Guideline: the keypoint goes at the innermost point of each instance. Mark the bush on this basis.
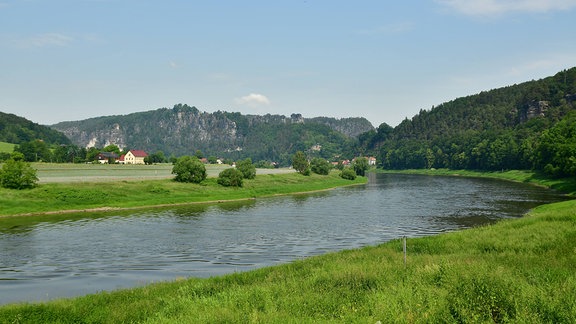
(348, 174)
(189, 169)
(230, 178)
(247, 168)
(320, 166)
(17, 174)
(300, 163)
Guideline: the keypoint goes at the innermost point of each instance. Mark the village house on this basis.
(107, 157)
(371, 161)
(134, 157)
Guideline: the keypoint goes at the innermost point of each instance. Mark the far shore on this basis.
(122, 192)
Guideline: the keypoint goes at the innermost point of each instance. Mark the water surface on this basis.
(69, 255)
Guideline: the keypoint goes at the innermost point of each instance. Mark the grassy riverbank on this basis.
(58, 197)
(516, 270)
(566, 185)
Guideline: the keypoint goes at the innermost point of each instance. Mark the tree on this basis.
(320, 166)
(34, 151)
(92, 154)
(189, 169)
(247, 168)
(556, 151)
(300, 163)
(360, 166)
(112, 148)
(348, 174)
(230, 177)
(157, 157)
(17, 174)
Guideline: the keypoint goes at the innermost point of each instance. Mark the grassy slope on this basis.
(517, 270)
(57, 197)
(6, 147)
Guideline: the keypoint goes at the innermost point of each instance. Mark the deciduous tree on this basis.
(300, 163)
(247, 168)
(189, 169)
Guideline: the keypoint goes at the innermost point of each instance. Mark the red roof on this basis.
(139, 153)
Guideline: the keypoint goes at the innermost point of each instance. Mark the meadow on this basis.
(67, 188)
(6, 147)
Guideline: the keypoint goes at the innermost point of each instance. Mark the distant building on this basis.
(135, 157)
(371, 161)
(107, 157)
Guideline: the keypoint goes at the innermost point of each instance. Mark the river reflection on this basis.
(67, 255)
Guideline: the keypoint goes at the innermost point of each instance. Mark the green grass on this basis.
(79, 196)
(518, 270)
(6, 147)
(65, 172)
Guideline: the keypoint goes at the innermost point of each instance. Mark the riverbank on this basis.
(64, 197)
(565, 185)
(517, 270)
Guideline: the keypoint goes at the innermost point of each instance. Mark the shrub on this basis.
(230, 178)
(17, 174)
(247, 168)
(348, 174)
(300, 163)
(189, 169)
(320, 166)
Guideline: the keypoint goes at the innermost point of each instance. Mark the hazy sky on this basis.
(384, 60)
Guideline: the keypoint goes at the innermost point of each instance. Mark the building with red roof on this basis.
(135, 157)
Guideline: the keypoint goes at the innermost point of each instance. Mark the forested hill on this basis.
(17, 130)
(525, 126)
(182, 130)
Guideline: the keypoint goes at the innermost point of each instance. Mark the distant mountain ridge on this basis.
(183, 129)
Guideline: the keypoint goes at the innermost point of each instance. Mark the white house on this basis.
(135, 157)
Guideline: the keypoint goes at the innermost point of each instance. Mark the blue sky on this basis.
(383, 60)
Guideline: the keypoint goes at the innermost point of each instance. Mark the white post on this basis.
(404, 252)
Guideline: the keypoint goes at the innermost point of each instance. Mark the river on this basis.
(48, 257)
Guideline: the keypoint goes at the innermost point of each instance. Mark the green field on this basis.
(72, 173)
(6, 147)
(86, 187)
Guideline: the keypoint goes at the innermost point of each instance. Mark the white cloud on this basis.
(45, 40)
(253, 99)
(500, 7)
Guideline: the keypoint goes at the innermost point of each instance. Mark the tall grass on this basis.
(518, 270)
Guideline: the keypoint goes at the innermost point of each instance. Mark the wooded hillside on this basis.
(183, 130)
(525, 126)
(16, 130)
